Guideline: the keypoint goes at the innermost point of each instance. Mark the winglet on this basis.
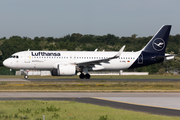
(118, 54)
(120, 51)
(95, 50)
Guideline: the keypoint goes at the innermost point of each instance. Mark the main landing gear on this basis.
(86, 76)
(82, 75)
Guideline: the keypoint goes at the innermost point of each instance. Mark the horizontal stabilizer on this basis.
(166, 57)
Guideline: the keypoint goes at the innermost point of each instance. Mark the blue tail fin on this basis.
(159, 41)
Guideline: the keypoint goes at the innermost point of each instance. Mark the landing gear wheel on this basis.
(81, 76)
(26, 76)
(87, 76)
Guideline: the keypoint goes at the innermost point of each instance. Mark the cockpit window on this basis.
(14, 56)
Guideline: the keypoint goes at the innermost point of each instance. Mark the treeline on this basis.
(79, 42)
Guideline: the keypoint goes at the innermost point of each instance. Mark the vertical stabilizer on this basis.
(159, 41)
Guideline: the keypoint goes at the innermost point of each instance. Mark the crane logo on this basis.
(158, 44)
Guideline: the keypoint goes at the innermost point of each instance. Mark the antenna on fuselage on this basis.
(28, 49)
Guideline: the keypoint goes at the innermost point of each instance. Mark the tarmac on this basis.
(161, 103)
(155, 103)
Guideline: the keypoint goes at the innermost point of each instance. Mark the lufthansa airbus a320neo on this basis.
(71, 62)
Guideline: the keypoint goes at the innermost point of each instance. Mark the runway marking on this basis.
(135, 103)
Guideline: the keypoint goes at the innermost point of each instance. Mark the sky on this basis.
(58, 18)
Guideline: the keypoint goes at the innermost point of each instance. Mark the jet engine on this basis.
(64, 69)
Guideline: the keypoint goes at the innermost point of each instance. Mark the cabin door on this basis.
(140, 59)
(27, 57)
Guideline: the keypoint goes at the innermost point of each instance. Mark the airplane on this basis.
(68, 63)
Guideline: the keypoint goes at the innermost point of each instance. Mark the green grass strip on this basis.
(68, 110)
(106, 86)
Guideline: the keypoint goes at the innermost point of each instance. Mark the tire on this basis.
(81, 76)
(26, 76)
(87, 76)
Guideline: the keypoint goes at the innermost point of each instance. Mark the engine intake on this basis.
(63, 70)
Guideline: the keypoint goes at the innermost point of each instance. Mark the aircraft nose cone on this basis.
(6, 63)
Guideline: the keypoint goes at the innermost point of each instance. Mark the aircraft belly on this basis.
(36, 65)
(42, 65)
(117, 65)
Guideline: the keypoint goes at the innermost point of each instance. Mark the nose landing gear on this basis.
(26, 74)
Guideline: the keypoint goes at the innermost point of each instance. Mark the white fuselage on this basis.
(47, 60)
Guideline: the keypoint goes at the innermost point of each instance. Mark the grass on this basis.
(69, 110)
(90, 86)
(102, 85)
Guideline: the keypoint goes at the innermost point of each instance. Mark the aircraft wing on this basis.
(92, 62)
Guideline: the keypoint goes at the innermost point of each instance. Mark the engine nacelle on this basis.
(64, 69)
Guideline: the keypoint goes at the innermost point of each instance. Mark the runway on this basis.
(155, 103)
(62, 80)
